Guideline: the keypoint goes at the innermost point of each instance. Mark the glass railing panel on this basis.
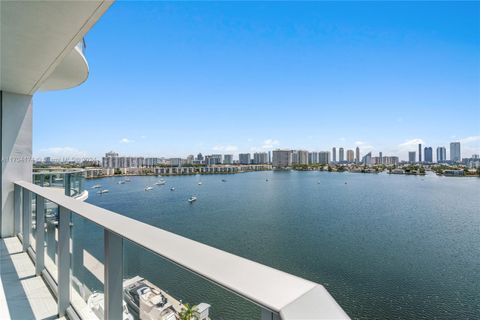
(176, 287)
(51, 238)
(87, 271)
(33, 226)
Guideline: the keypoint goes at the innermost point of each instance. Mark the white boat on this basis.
(121, 182)
(127, 180)
(192, 199)
(160, 183)
(172, 189)
(103, 191)
(146, 301)
(148, 188)
(200, 183)
(96, 306)
(96, 186)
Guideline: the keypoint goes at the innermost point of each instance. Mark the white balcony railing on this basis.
(279, 294)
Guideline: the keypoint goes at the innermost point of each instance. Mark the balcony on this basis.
(68, 181)
(71, 72)
(75, 270)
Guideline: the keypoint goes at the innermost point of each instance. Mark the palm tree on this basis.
(188, 312)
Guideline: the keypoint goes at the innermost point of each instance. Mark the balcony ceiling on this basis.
(36, 36)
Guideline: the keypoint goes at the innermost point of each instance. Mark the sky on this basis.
(173, 79)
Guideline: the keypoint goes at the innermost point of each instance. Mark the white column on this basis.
(15, 150)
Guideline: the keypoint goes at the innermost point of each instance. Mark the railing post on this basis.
(269, 315)
(17, 205)
(63, 261)
(27, 218)
(113, 275)
(66, 181)
(40, 235)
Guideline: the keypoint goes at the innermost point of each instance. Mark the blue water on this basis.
(385, 246)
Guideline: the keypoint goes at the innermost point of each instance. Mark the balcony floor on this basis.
(22, 294)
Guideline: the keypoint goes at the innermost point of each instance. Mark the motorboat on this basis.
(148, 188)
(121, 182)
(200, 183)
(146, 301)
(192, 199)
(172, 189)
(103, 191)
(96, 307)
(96, 186)
(224, 180)
(127, 180)
(160, 183)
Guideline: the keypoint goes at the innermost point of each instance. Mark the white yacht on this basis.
(103, 191)
(96, 186)
(121, 182)
(127, 180)
(160, 183)
(148, 302)
(172, 189)
(200, 183)
(192, 199)
(148, 188)
(96, 306)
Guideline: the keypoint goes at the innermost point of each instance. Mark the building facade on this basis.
(260, 158)
(455, 154)
(350, 156)
(244, 158)
(441, 154)
(281, 158)
(428, 154)
(412, 156)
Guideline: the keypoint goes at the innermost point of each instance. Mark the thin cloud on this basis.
(270, 144)
(62, 153)
(227, 148)
(126, 141)
(469, 140)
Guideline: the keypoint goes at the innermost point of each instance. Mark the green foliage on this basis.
(188, 312)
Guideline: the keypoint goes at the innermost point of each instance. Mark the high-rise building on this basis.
(324, 157)
(441, 154)
(428, 154)
(367, 159)
(380, 157)
(244, 158)
(213, 159)
(455, 154)
(350, 156)
(199, 157)
(295, 157)
(357, 155)
(269, 156)
(412, 156)
(228, 159)
(420, 152)
(334, 154)
(281, 158)
(341, 156)
(260, 157)
(302, 157)
(313, 157)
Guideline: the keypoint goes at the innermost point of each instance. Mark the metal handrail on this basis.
(284, 295)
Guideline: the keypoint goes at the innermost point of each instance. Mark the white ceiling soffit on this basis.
(37, 35)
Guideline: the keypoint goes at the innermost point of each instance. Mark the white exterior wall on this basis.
(16, 150)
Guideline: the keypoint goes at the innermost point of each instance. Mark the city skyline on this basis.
(344, 155)
(244, 78)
